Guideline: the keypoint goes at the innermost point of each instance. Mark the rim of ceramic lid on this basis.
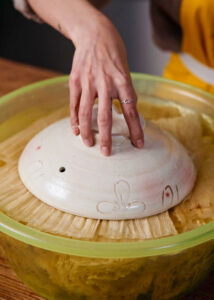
(133, 249)
(124, 197)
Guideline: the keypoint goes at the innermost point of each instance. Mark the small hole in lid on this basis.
(62, 169)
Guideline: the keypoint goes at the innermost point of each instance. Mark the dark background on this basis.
(26, 41)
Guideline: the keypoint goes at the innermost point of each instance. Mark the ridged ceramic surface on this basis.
(132, 183)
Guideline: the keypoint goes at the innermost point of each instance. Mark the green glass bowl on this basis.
(63, 268)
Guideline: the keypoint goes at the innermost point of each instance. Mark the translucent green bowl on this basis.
(62, 268)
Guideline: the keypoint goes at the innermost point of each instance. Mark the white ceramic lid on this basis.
(131, 183)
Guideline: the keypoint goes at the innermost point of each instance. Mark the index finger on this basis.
(105, 122)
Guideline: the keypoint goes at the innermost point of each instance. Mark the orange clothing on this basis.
(197, 22)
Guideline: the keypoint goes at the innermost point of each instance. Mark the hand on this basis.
(100, 69)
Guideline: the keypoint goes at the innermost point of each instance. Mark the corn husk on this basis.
(18, 203)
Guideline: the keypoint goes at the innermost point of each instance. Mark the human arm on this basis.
(99, 68)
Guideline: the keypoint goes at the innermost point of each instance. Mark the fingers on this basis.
(82, 95)
(104, 120)
(75, 94)
(131, 115)
(85, 114)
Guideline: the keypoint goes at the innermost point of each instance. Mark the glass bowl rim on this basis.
(92, 249)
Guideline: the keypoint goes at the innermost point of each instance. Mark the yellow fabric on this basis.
(197, 22)
(176, 70)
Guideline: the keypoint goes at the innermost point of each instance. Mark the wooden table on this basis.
(12, 76)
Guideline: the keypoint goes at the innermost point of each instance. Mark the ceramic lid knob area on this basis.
(131, 183)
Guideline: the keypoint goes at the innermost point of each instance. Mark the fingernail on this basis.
(105, 151)
(88, 142)
(75, 130)
(139, 143)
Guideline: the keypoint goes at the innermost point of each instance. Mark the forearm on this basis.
(171, 8)
(73, 18)
(99, 69)
(165, 16)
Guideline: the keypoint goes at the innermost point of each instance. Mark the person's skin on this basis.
(99, 69)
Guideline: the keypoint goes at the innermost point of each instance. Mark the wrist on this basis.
(87, 30)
